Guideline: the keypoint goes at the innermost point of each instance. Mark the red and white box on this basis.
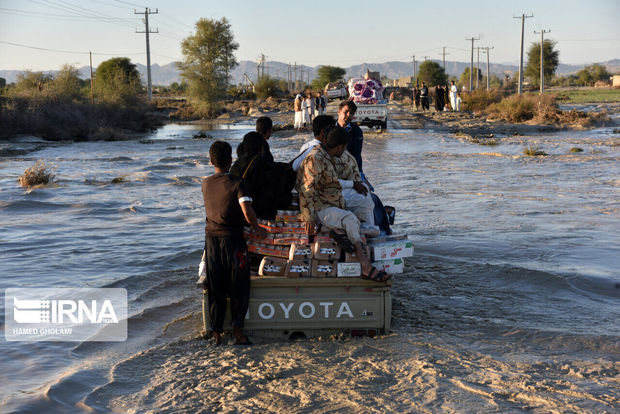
(391, 247)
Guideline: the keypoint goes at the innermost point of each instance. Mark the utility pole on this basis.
(295, 84)
(542, 66)
(414, 68)
(426, 58)
(486, 50)
(146, 13)
(92, 92)
(471, 63)
(444, 58)
(522, 17)
(478, 68)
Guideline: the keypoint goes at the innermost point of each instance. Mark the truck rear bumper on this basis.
(309, 307)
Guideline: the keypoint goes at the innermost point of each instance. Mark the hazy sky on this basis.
(308, 32)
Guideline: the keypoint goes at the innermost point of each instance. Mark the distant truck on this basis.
(336, 90)
(372, 115)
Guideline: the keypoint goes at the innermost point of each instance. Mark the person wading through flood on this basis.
(228, 206)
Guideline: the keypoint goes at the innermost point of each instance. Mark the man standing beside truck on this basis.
(346, 112)
(228, 206)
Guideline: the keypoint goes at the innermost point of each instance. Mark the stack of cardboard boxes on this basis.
(289, 252)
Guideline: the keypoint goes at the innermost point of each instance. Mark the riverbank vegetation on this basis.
(63, 107)
(529, 107)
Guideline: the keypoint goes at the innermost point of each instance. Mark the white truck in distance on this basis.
(372, 115)
(336, 90)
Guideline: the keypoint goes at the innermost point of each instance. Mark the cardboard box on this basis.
(352, 257)
(392, 266)
(300, 251)
(288, 216)
(274, 227)
(391, 247)
(267, 250)
(276, 239)
(298, 268)
(272, 266)
(323, 237)
(288, 239)
(324, 268)
(326, 251)
(349, 269)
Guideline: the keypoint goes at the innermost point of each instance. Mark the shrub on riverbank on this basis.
(55, 120)
(515, 108)
(38, 174)
(481, 99)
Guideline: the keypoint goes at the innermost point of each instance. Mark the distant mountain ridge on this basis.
(167, 74)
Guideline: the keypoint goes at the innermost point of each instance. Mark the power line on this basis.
(131, 4)
(69, 51)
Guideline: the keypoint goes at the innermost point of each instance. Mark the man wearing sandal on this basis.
(321, 200)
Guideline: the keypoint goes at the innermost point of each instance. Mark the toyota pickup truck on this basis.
(336, 90)
(372, 115)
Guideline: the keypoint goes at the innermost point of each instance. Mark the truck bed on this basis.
(309, 307)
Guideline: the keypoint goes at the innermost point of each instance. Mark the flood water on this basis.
(511, 301)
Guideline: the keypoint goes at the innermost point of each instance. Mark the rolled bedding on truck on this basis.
(365, 91)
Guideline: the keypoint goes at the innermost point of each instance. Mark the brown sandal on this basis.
(377, 275)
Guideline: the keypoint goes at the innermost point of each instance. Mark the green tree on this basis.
(464, 79)
(551, 60)
(177, 87)
(208, 59)
(2, 83)
(31, 83)
(266, 87)
(592, 73)
(117, 81)
(432, 73)
(67, 84)
(326, 74)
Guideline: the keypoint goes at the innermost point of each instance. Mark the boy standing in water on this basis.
(228, 206)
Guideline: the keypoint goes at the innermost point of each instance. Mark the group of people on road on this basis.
(307, 107)
(447, 98)
(333, 193)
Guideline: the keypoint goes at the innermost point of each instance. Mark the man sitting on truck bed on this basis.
(320, 124)
(346, 112)
(321, 200)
